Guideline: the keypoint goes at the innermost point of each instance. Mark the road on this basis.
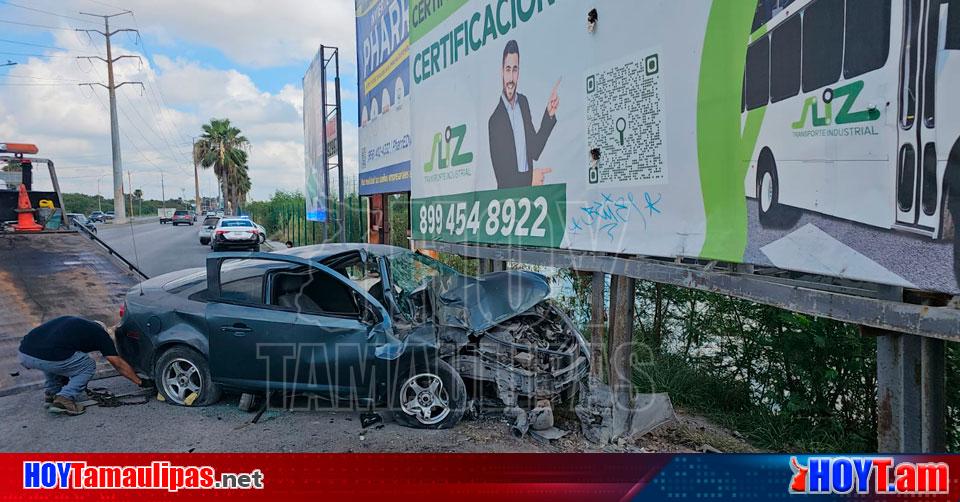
(154, 248)
(832, 246)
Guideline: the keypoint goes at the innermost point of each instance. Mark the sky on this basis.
(237, 59)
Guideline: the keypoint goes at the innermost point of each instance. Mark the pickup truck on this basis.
(166, 214)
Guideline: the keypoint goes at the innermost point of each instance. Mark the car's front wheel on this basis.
(183, 378)
(431, 397)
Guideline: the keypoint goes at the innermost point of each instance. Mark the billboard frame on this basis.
(867, 304)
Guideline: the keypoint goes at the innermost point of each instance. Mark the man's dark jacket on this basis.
(503, 150)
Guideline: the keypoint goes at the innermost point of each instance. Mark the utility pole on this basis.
(120, 212)
(163, 193)
(196, 174)
(129, 192)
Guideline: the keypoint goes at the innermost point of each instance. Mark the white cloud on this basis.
(251, 32)
(70, 123)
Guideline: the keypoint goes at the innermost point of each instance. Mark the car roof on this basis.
(321, 251)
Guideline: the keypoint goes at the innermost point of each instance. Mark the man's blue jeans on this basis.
(67, 378)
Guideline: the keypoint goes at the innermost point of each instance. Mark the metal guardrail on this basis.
(109, 249)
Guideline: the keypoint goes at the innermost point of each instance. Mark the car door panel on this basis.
(269, 347)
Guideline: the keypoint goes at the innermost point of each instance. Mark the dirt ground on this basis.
(158, 426)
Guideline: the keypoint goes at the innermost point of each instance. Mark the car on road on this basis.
(263, 231)
(206, 229)
(365, 323)
(108, 217)
(79, 220)
(235, 233)
(181, 217)
(96, 216)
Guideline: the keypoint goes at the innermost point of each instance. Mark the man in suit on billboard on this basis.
(514, 141)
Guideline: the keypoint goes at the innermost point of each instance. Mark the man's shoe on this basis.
(48, 399)
(64, 405)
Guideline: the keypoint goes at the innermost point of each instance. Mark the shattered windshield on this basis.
(409, 271)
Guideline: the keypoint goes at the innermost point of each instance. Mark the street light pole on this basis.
(99, 196)
(196, 174)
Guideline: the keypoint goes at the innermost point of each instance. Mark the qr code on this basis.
(624, 114)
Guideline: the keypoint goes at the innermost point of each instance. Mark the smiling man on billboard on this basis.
(514, 141)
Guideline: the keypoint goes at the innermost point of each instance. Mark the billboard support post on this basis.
(899, 407)
(933, 374)
(341, 217)
(597, 326)
(621, 337)
(326, 158)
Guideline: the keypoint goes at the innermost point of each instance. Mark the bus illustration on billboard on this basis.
(860, 122)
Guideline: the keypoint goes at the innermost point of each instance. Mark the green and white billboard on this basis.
(811, 135)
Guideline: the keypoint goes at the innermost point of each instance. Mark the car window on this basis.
(210, 222)
(241, 281)
(312, 291)
(235, 223)
(180, 213)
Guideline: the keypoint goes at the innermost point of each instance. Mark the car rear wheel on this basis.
(431, 397)
(204, 242)
(183, 378)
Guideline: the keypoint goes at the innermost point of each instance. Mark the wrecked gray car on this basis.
(371, 325)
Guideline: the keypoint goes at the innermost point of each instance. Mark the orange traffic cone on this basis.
(25, 221)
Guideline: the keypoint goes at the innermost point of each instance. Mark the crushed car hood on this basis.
(476, 304)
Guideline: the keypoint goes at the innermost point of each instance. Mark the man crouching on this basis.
(59, 349)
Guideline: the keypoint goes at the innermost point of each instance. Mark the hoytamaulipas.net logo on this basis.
(868, 475)
(159, 475)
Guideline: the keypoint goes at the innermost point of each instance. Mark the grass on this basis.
(728, 402)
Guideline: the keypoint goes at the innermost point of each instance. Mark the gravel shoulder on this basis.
(160, 427)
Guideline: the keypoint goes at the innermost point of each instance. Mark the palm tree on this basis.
(223, 147)
(138, 194)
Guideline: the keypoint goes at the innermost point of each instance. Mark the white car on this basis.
(206, 229)
(234, 233)
(263, 231)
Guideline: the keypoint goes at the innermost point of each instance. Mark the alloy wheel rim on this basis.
(180, 379)
(424, 397)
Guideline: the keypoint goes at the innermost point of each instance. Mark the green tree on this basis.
(138, 195)
(224, 148)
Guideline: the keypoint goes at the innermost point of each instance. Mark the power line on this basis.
(21, 54)
(6, 84)
(53, 79)
(34, 9)
(3, 40)
(159, 91)
(31, 25)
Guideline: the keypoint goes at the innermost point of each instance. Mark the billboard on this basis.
(314, 141)
(771, 132)
(384, 89)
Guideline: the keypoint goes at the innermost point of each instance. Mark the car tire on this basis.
(180, 373)
(248, 402)
(204, 242)
(772, 214)
(448, 400)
